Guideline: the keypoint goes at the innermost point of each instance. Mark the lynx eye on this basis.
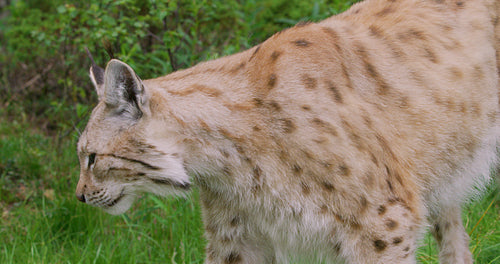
(91, 160)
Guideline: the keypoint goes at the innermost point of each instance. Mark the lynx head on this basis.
(120, 153)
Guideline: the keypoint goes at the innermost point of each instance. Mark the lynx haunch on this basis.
(341, 140)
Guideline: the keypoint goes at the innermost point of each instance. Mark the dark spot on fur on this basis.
(389, 184)
(331, 32)
(346, 76)
(306, 190)
(272, 80)
(257, 173)
(233, 258)
(375, 31)
(323, 209)
(344, 170)
(391, 224)
(275, 55)
(226, 170)
(381, 210)
(383, 86)
(404, 102)
(364, 203)
(288, 125)
(328, 186)
(355, 138)
(337, 247)
(437, 233)
(240, 150)
(235, 221)
(225, 239)
(387, 10)
(374, 159)
(301, 43)
(393, 200)
(257, 179)
(385, 146)
(274, 105)
(336, 93)
(397, 240)
(431, 55)
(309, 83)
(205, 126)
(258, 102)
(351, 222)
(320, 140)
(297, 169)
(478, 72)
(238, 67)
(306, 107)
(412, 34)
(327, 127)
(308, 154)
(456, 73)
(369, 180)
(406, 249)
(476, 109)
(254, 53)
(380, 245)
(334, 36)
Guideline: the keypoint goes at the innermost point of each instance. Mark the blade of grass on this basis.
(482, 216)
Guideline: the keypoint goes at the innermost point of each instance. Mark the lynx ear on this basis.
(123, 90)
(97, 77)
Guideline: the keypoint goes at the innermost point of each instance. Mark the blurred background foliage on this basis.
(44, 68)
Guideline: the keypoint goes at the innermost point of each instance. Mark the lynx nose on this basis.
(80, 197)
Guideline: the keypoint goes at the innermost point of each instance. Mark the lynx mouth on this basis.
(180, 185)
(116, 200)
(120, 204)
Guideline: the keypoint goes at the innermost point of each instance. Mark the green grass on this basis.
(42, 222)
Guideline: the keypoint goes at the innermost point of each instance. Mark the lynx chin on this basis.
(338, 141)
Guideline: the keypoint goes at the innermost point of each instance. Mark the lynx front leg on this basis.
(230, 240)
(450, 234)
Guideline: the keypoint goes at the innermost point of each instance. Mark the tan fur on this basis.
(340, 140)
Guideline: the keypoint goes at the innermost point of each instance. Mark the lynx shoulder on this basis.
(340, 140)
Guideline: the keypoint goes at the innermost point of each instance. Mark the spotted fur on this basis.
(337, 141)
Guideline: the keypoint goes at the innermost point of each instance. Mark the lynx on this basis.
(338, 141)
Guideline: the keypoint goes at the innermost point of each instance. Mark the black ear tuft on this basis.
(96, 75)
